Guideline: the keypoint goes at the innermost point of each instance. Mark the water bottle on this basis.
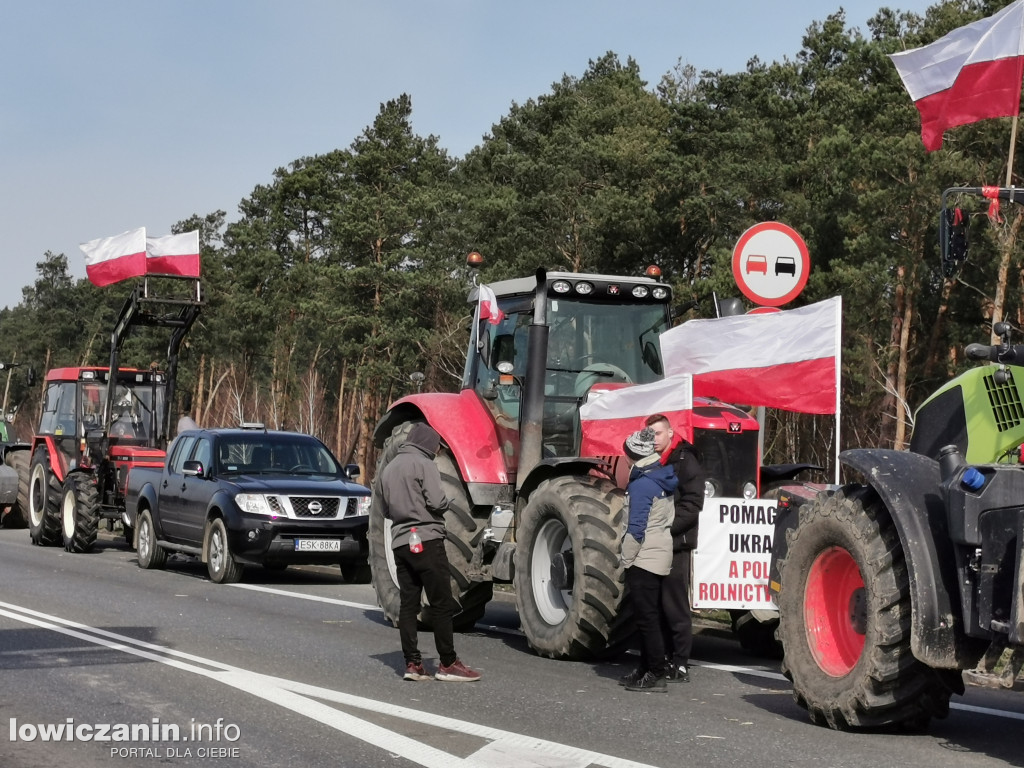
(415, 542)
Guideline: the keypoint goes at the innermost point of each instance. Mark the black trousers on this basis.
(677, 619)
(419, 572)
(645, 594)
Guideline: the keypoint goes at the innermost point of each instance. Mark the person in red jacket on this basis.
(677, 625)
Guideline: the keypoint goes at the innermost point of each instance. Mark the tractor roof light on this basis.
(561, 286)
(474, 260)
(653, 271)
(659, 292)
(584, 288)
(640, 291)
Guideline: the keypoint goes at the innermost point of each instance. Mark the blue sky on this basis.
(118, 114)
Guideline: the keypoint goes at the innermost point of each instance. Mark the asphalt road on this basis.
(125, 667)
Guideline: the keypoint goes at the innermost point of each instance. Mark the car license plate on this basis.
(317, 545)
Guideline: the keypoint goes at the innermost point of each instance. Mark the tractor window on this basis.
(59, 410)
(48, 422)
(594, 343)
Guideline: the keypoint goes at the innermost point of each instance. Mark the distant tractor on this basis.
(527, 506)
(97, 423)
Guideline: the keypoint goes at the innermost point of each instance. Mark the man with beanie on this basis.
(414, 500)
(647, 555)
(675, 588)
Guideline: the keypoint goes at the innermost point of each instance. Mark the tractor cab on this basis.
(577, 331)
(75, 416)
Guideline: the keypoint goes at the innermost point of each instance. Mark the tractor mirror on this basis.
(952, 240)
(652, 359)
(30, 376)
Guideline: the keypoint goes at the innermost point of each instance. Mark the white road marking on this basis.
(515, 749)
(752, 671)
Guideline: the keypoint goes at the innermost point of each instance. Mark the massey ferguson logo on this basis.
(735, 426)
(315, 507)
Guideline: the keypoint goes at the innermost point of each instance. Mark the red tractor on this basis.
(527, 507)
(97, 423)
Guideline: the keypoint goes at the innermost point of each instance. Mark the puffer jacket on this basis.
(410, 487)
(689, 494)
(648, 540)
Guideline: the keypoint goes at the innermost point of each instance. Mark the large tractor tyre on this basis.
(17, 517)
(44, 491)
(79, 512)
(569, 581)
(461, 546)
(845, 620)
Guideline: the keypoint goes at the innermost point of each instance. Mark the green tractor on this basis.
(890, 589)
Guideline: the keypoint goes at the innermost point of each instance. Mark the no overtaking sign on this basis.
(771, 264)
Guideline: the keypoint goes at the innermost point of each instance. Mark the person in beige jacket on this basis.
(647, 554)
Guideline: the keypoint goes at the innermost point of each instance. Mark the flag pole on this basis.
(1013, 145)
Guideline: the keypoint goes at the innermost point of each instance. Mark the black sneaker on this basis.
(678, 674)
(649, 683)
(631, 677)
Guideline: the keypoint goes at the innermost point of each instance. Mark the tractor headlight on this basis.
(749, 490)
(711, 489)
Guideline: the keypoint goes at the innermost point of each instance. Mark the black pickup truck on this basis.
(250, 496)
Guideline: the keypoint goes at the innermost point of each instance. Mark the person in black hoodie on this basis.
(677, 625)
(414, 500)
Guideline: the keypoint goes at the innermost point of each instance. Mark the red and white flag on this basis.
(173, 254)
(487, 304)
(788, 360)
(607, 418)
(971, 74)
(110, 259)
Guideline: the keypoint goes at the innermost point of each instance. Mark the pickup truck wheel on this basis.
(151, 554)
(844, 620)
(43, 501)
(18, 515)
(569, 582)
(79, 512)
(219, 562)
(464, 529)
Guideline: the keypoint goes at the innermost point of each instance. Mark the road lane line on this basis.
(522, 750)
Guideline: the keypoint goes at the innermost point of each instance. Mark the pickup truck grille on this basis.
(313, 507)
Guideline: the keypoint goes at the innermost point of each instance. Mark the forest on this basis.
(345, 272)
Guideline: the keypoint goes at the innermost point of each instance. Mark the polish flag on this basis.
(788, 360)
(111, 259)
(487, 304)
(609, 416)
(971, 74)
(173, 254)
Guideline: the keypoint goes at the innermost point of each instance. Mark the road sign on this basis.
(763, 310)
(771, 264)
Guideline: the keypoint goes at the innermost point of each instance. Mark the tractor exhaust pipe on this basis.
(532, 416)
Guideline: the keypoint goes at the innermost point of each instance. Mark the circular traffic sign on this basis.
(770, 263)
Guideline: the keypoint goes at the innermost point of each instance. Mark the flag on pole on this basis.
(173, 254)
(488, 307)
(788, 360)
(110, 259)
(971, 74)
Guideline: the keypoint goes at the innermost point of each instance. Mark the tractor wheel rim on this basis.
(834, 611)
(67, 514)
(37, 498)
(552, 603)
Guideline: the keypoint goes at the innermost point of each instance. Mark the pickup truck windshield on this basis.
(259, 455)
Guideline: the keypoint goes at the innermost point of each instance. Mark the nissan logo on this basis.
(315, 507)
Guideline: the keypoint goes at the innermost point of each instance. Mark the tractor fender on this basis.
(548, 468)
(465, 425)
(909, 485)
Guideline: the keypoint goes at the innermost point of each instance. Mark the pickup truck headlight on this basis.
(363, 505)
(254, 504)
